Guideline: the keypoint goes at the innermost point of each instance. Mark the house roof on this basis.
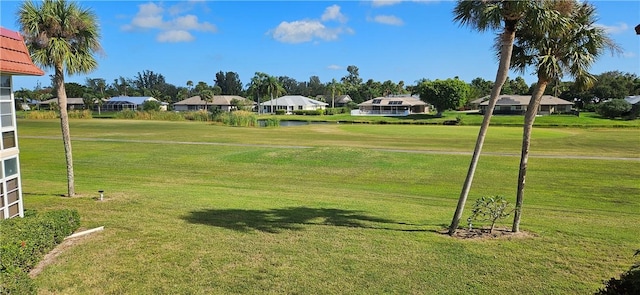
(633, 99)
(343, 99)
(217, 100)
(138, 100)
(14, 56)
(293, 100)
(396, 101)
(70, 100)
(508, 99)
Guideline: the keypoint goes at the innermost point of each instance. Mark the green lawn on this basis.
(195, 208)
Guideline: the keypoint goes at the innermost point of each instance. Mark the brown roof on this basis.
(217, 100)
(14, 56)
(507, 99)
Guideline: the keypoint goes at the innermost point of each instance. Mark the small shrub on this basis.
(23, 243)
(272, 122)
(489, 209)
(76, 114)
(309, 112)
(200, 115)
(628, 283)
(41, 115)
(280, 112)
(238, 119)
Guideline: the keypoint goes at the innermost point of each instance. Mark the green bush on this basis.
(150, 115)
(309, 112)
(272, 122)
(280, 112)
(76, 114)
(489, 209)
(238, 119)
(628, 283)
(41, 115)
(613, 108)
(200, 116)
(24, 241)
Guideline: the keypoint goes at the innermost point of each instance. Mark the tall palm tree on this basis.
(485, 15)
(273, 88)
(256, 86)
(570, 46)
(207, 96)
(63, 36)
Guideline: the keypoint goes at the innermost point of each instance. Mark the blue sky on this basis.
(387, 40)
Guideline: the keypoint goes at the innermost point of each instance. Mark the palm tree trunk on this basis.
(530, 117)
(506, 47)
(64, 124)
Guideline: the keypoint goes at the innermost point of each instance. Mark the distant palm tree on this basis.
(570, 46)
(63, 36)
(207, 96)
(273, 88)
(485, 15)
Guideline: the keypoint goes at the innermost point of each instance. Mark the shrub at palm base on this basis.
(489, 209)
(25, 241)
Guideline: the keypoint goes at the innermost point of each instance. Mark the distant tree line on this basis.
(609, 85)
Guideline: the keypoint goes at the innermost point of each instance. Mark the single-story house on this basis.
(219, 102)
(403, 105)
(517, 104)
(73, 103)
(15, 60)
(119, 103)
(291, 103)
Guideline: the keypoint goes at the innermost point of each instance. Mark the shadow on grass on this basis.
(293, 218)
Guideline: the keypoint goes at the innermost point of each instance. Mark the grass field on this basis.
(195, 208)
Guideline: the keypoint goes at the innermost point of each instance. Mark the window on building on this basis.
(376, 101)
(8, 139)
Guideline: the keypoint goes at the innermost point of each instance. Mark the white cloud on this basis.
(334, 67)
(177, 28)
(387, 20)
(379, 3)
(301, 31)
(175, 36)
(617, 29)
(333, 13)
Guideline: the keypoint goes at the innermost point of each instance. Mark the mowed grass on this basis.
(195, 208)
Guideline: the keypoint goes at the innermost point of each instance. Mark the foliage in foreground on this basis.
(151, 115)
(238, 119)
(489, 209)
(628, 283)
(25, 241)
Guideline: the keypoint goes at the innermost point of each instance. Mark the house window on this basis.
(395, 102)
(8, 139)
(299, 107)
(376, 101)
(10, 167)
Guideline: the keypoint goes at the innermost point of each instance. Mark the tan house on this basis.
(14, 61)
(73, 103)
(224, 103)
(391, 106)
(517, 104)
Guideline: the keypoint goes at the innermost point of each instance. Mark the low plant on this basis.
(628, 283)
(238, 119)
(77, 114)
(489, 209)
(25, 241)
(40, 115)
(272, 122)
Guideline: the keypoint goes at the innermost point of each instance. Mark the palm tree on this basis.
(485, 15)
(570, 46)
(273, 88)
(256, 86)
(63, 36)
(207, 96)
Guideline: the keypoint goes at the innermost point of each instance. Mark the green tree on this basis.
(489, 15)
(273, 87)
(257, 87)
(613, 108)
(207, 96)
(63, 36)
(444, 94)
(570, 45)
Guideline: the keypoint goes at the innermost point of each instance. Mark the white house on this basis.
(291, 103)
(220, 102)
(119, 103)
(517, 104)
(402, 105)
(14, 61)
